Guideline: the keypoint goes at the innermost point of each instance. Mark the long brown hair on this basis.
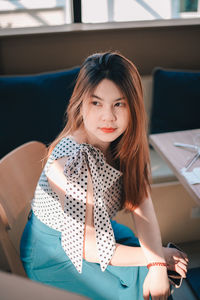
(131, 149)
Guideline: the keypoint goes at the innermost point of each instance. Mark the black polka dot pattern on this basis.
(71, 220)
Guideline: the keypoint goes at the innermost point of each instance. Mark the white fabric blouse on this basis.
(70, 219)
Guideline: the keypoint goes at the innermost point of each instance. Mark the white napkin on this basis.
(192, 177)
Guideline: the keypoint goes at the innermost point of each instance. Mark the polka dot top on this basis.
(70, 218)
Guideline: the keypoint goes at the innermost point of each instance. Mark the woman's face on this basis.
(105, 114)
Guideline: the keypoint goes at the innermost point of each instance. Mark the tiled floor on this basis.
(193, 251)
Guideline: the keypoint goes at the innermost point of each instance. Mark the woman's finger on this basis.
(181, 270)
(181, 259)
(183, 255)
(145, 294)
(182, 266)
(146, 290)
(163, 296)
(176, 264)
(169, 293)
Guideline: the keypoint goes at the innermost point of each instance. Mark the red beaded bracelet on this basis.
(162, 264)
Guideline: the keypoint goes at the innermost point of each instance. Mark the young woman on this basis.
(98, 165)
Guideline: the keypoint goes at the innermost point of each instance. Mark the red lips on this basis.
(108, 130)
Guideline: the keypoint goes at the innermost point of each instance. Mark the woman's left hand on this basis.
(176, 260)
(156, 284)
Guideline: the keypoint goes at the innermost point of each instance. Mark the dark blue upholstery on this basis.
(32, 107)
(176, 101)
(193, 278)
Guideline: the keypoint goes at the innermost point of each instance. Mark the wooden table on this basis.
(177, 157)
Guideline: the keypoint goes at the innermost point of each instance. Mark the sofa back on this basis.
(32, 107)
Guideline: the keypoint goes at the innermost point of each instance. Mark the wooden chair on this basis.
(19, 173)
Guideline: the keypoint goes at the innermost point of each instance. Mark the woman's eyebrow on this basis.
(97, 97)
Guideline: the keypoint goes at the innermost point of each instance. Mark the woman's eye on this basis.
(119, 104)
(96, 103)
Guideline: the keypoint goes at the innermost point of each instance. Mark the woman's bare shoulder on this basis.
(57, 167)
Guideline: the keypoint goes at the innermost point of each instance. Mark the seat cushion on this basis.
(160, 171)
(176, 101)
(33, 107)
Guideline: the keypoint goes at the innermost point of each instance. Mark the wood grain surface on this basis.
(177, 157)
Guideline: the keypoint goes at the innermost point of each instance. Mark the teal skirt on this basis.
(44, 260)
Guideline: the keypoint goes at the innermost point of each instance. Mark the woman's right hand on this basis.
(156, 284)
(176, 260)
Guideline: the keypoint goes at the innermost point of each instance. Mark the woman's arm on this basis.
(124, 256)
(148, 231)
(156, 282)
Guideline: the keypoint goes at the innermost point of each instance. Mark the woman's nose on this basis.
(108, 115)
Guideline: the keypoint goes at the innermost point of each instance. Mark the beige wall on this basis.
(173, 207)
(167, 46)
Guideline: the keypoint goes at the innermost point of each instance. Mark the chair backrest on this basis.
(19, 173)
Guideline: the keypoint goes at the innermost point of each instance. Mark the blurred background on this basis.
(28, 13)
